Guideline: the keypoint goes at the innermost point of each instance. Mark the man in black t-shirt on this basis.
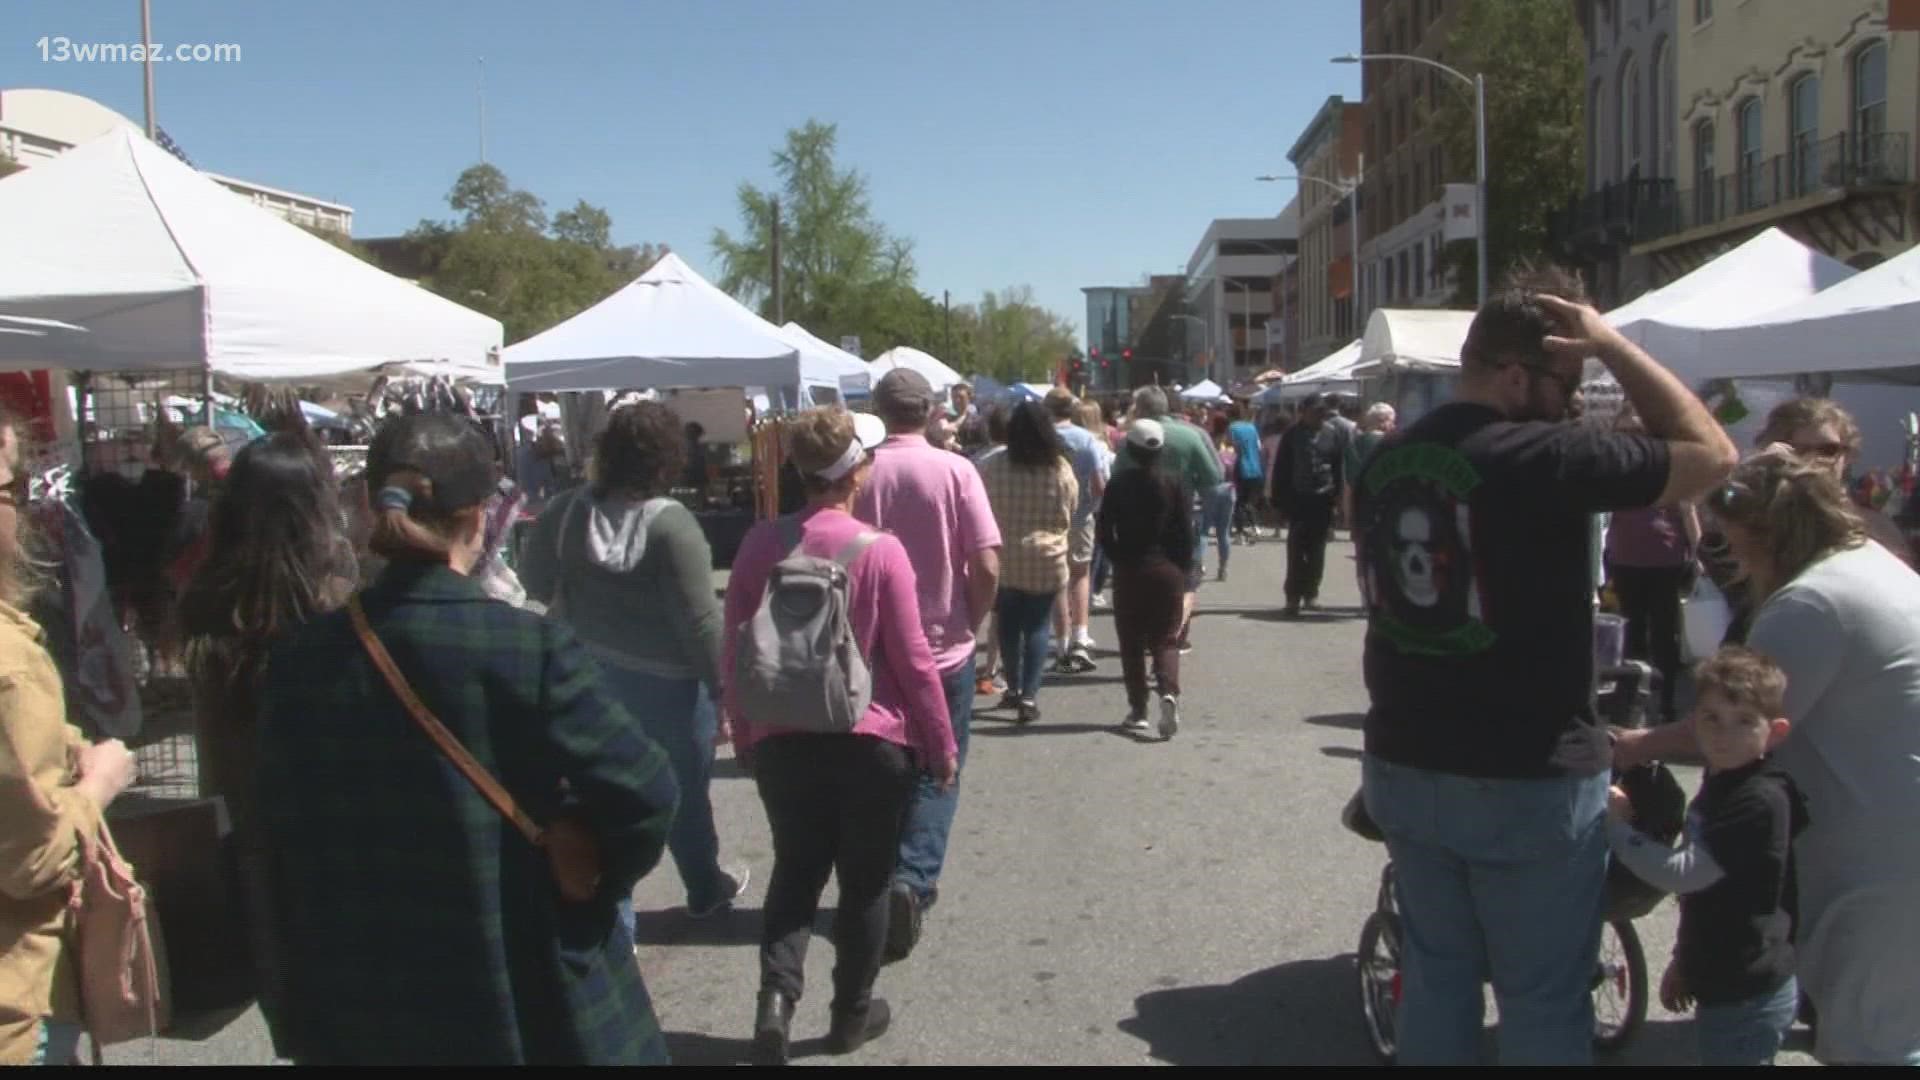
(1308, 474)
(1484, 766)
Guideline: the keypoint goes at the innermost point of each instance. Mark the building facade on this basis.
(1409, 204)
(1110, 332)
(37, 125)
(1790, 114)
(1631, 111)
(1328, 158)
(1229, 295)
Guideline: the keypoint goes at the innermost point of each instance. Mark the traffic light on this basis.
(1126, 354)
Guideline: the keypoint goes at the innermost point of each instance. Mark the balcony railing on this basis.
(1600, 223)
(1839, 163)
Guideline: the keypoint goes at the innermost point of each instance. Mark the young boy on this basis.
(1734, 868)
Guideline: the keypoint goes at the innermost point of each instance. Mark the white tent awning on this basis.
(1204, 390)
(824, 364)
(1332, 373)
(1414, 340)
(940, 375)
(668, 329)
(166, 269)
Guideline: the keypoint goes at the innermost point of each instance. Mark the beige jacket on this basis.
(42, 818)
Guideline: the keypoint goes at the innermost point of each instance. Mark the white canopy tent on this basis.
(1204, 390)
(1770, 272)
(1866, 328)
(166, 270)
(1416, 340)
(668, 329)
(1332, 373)
(940, 375)
(825, 365)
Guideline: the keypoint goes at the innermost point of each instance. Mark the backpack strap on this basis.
(854, 549)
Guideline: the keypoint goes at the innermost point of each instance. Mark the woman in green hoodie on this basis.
(630, 570)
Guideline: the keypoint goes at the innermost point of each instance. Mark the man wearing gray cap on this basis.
(934, 503)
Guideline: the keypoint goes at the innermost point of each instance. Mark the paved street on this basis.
(1107, 901)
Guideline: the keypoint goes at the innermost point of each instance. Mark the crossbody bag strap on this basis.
(475, 773)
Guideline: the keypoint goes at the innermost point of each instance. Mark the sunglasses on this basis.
(1730, 499)
(1827, 450)
(1568, 384)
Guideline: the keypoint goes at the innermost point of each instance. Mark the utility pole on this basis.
(779, 296)
(480, 97)
(946, 336)
(146, 55)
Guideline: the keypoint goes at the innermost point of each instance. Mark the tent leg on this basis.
(209, 391)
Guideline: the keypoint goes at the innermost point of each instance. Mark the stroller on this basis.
(1619, 985)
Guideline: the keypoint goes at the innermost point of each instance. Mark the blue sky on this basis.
(1051, 143)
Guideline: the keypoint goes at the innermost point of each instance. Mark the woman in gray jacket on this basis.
(630, 570)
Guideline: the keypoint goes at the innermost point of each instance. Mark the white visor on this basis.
(868, 432)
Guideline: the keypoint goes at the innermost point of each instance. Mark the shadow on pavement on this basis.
(735, 926)
(695, 1048)
(1345, 753)
(1349, 720)
(1302, 1013)
(1011, 730)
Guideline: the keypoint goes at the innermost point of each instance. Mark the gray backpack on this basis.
(796, 664)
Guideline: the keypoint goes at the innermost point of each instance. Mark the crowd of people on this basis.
(461, 793)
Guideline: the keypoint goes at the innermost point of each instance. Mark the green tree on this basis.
(1016, 340)
(340, 240)
(1532, 57)
(505, 258)
(8, 166)
(833, 253)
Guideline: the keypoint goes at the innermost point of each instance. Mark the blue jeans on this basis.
(59, 1044)
(1219, 518)
(1025, 636)
(678, 714)
(1747, 1032)
(923, 842)
(1499, 879)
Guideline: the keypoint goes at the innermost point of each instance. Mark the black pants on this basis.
(1309, 524)
(1650, 599)
(1147, 597)
(836, 804)
(1246, 504)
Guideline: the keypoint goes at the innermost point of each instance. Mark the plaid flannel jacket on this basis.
(417, 925)
(1034, 508)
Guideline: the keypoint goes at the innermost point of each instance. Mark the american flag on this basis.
(166, 143)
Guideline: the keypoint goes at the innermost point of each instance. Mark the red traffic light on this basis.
(1126, 354)
(1095, 353)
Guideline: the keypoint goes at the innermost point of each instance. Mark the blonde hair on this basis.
(1799, 413)
(1796, 508)
(816, 439)
(1089, 416)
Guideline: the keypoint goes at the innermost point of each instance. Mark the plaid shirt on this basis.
(417, 926)
(1034, 507)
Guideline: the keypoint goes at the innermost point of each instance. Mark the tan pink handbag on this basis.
(122, 976)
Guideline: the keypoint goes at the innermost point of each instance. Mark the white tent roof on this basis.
(166, 269)
(823, 364)
(1413, 339)
(1204, 390)
(1763, 275)
(1333, 372)
(937, 373)
(1868, 324)
(668, 329)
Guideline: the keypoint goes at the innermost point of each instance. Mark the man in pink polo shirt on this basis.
(935, 504)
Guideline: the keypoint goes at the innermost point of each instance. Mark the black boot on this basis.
(770, 1026)
(851, 1030)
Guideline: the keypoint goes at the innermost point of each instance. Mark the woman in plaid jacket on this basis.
(1033, 492)
(420, 927)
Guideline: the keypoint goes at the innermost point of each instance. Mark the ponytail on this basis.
(397, 532)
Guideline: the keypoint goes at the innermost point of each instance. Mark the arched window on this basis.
(1705, 192)
(1627, 145)
(1659, 107)
(1750, 140)
(1869, 111)
(1803, 135)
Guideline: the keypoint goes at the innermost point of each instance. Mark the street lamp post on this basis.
(1479, 85)
(1351, 192)
(1206, 330)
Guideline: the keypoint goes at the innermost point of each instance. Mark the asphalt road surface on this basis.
(1106, 900)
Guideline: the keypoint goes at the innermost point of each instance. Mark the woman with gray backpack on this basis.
(835, 707)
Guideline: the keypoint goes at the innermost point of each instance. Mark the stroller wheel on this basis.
(1378, 970)
(1619, 986)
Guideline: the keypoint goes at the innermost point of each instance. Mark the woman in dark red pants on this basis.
(1147, 531)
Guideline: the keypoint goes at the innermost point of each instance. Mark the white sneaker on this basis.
(1100, 602)
(1084, 641)
(1169, 716)
(1136, 722)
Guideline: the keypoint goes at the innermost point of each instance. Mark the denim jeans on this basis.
(1747, 1032)
(1219, 518)
(59, 1044)
(1025, 636)
(923, 842)
(678, 714)
(1502, 880)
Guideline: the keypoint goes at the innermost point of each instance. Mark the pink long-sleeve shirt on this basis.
(909, 706)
